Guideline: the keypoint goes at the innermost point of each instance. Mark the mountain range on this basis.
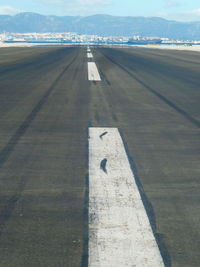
(104, 25)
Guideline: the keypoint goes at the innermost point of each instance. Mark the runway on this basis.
(49, 98)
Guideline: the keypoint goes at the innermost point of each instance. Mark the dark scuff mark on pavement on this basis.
(103, 165)
(103, 77)
(101, 136)
(10, 205)
(148, 207)
(8, 149)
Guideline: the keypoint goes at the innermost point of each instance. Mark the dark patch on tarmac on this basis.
(103, 77)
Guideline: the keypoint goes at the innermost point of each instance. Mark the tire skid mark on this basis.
(103, 76)
(8, 149)
(103, 165)
(104, 133)
(178, 109)
(19, 66)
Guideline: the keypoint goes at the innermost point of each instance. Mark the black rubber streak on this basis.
(103, 165)
(163, 98)
(41, 58)
(8, 149)
(101, 136)
(103, 77)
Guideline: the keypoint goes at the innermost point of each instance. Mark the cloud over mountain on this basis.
(9, 10)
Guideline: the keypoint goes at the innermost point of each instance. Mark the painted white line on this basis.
(119, 230)
(93, 73)
(89, 55)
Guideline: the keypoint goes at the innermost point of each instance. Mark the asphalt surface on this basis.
(46, 107)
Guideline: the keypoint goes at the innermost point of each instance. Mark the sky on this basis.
(181, 10)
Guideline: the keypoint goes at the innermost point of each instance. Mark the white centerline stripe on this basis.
(119, 230)
(89, 55)
(93, 73)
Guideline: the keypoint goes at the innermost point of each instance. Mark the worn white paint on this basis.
(120, 234)
(89, 55)
(93, 73)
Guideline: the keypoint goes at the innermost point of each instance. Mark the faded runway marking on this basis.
(93, 73)
(119, 229)
(89, 55)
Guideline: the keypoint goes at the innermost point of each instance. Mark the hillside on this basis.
(101, 25)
